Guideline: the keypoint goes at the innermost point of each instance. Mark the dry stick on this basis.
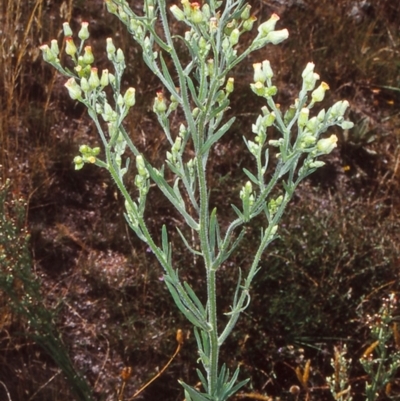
(44, 385)
(5, 388)
(179, 339)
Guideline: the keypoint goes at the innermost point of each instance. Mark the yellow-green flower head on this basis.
(318, 94)
(276, 37)
(177, 12)
(268, 26)
(326, 145)
(70, 47)
(83, 33)
(74, 89)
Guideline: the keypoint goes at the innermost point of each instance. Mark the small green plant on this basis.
(22, 290)
(339, 382)
(198, 93)
(381, 360)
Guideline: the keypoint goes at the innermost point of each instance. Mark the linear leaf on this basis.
(215, 137)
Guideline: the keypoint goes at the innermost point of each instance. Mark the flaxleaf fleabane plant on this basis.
(200, 88)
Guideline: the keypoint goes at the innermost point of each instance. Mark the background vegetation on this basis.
(81, 294)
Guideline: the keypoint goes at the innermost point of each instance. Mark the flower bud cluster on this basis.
(248, 198)
(268, 34)
(88, 155)
(273, 205)
(262, 85)
(142, 178)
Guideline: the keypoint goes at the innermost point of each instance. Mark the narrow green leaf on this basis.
(182, 307)
(251, 176)
(212, 229)
(195, 299)
(215, 137)
(164, 236)
(238, 212)
(196, 395)
(187, 243)
(193, 92)
(202, 379)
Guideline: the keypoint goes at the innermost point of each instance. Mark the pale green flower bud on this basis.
(213, 24)
(276, 37)
(111, 78)
(88, 57)
(274, 229)
(258, 88)
(70, 47)
(253, 147)
(85, 85)
(195, 112)
(108, 114)
(275, 142)
(268, 26)
(182, 131)
(210, 67)
(307, 141)
(308, 70)
(104, 80)
(249, 23)
(159, 103)
(54, 47)
(225, 44)
(303, 117)
(266, 65)
(229, 85)
(83, 33)
(186, 7)
(129, 97)
(259, 74)
(111, 7)
(96, 151)
(79, 163)
(120, 100)
(67, 29)
(321, 115)
(230, 26)
(141, 167)
(206, 11)
(84, 149)
(111, 49)
(120, 56)
(177, 145)
(326, 145)
(234, 37)
(346, 125)
(124, 16)
(312, 125)
(196, 16)
(316, 164)
(309, 81)
(318, 94)
(246, 12)
(94, 80)
(74, 89)
(269, 119)
(177, 12)
(47, 54)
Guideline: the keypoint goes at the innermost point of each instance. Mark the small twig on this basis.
(43, 385)
(104, 363)
(179, 339)
(5, 388)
